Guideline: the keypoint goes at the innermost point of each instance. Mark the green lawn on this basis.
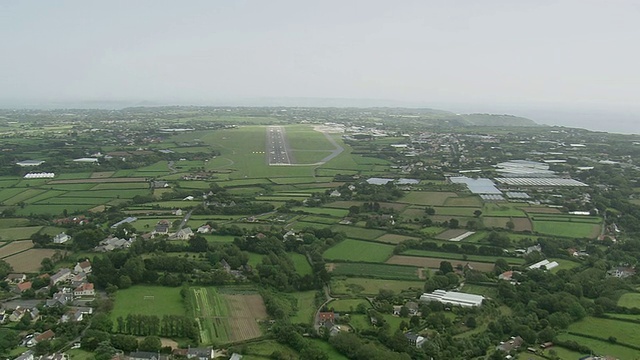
(355, 250)
(136, 300)
(363, 286)
(306, 307)
(630, 300)
(566, 229)
(347, 305)
(301, 264)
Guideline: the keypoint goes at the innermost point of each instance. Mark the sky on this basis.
(560, 62)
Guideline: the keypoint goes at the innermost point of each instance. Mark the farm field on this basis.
(434, 263)
(226, 317)
(28, 261)
(356, 250)
(15, 247)
(364, 286)
(520, 224)
(394, 239)
(427, 198)
(380, 271)
(480, 258)
(624, 332)
(358, 232)
(18, 233)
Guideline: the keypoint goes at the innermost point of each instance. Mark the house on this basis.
(83, 267)
(196, 353)
(326, 316)
(508, 346)
(17, 314)
(62, 275)
(24, 286)
(177, 212)
(85, 289)
(415, 340)
(60, 298)
(622, 272)
(413, 307)
(78, 279)
(225, 265)
(16, 278)
(331, 328)
(73, 315)
(335, 193)
(61, 238)
(145, 355)
(56, 356)
(113, 243)
(236, 356)
(204, 229)
(27, 355)
(182, 234)
(47, 335)
(162, 227)
(34, 313)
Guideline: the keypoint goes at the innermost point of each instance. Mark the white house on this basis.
(84, 267)
(61, 238)
(85, 289)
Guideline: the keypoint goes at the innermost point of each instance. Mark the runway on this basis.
(278, 151)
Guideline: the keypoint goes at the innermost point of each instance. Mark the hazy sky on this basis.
(497, 52)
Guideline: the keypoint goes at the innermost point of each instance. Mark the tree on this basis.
(430, 211)
(404, 312)
(445, 267)
(151, 343)
(477, 213)
(5, 269)
(510, 225)
(198, 244)
(46, 264)
(454, 223)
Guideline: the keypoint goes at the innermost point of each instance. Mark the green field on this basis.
(208, 308)
(355, 250)
(147, 300)
(322, 211)
(358, 232)
(18, 233)
(630, 300)
(306, 305)
(380, 271)
(347, 305)
(427, 198)
(602, 347)
(455, 256)
(572, 229)
(362, 286)
(624, 332)
(301, 264)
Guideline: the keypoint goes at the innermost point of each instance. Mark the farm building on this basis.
(546, 263)
(86, 160)
(42, 175)
(453, 297)
(128, 220)
(30, 163)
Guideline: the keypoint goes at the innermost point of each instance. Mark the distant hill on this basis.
(497, 120)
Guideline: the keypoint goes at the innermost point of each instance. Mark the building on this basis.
(145, 355)
(85, 289)
(25, 163)
(182, 234)
(16, 278)
(548, 265)
(61, 238)
(326, 316)
(24, 286)
(128, 220)
(62, 275)
(82, 267)
(42, 175)
(204, 229)
(453, 298)
(415, 340)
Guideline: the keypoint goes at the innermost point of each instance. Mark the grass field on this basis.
(301, 264)
(427, 198)
(602, 347)
(358, 232)
(306, 307)
(394, 239)
(323, 211)
(625, 332)
(15, 247)
(363, 286)
(630, 300)
(18, 233)
(347, 305)
(147, 300)
(380, 271)
(566, 229)
(355, 250)
(434, 263)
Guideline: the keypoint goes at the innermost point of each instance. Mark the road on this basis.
(278, 151)
(184, 221)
